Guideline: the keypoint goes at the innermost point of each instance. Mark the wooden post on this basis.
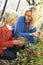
(3, 9)
(18, 5)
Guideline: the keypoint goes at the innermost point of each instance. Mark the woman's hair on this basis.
(33, 10)
(7, 17)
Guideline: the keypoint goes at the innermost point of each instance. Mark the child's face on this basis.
(12, 22)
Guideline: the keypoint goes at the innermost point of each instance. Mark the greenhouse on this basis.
(21, 43)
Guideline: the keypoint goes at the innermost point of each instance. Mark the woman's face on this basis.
(28, 16)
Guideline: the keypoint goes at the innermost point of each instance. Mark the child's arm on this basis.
(10, 43)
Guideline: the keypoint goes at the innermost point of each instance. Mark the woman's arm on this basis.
(20, 27)
(28, 33)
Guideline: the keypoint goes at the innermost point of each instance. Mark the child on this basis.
(6, 40)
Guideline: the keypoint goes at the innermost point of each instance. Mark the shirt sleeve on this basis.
(27, 36)
(4, 41)
(33, 30)
(7, 43)
(19, 27)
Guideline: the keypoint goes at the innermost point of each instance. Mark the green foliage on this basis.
(33, 2)
(31, 55)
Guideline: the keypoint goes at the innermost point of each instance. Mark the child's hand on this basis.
(18, 42)
(21, 42)
(15, 42)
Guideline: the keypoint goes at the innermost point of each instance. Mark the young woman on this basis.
(25, 27)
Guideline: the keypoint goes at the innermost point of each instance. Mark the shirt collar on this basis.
(9, 27)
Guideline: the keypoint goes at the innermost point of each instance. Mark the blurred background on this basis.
(20, 5)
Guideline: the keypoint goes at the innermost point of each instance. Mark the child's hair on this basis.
(7, 17)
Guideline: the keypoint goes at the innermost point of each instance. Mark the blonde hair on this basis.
(7, 17)
(33, 10)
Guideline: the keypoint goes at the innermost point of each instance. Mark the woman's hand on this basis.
(40, 35)
(36, 34)
(33, 34)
